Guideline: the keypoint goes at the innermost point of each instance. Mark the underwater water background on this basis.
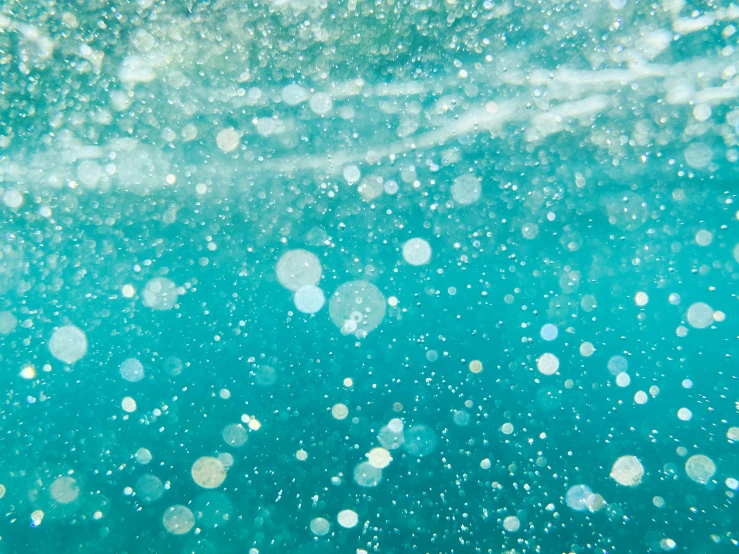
(352, 277)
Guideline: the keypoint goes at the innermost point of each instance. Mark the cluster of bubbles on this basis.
(628, 471)
(161, 162)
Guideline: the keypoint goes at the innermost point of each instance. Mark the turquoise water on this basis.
(364, 277)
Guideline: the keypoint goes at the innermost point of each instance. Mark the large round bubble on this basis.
(357, 308)
(419, 440)
(160, 293)
(68, 344)
(297, 269)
